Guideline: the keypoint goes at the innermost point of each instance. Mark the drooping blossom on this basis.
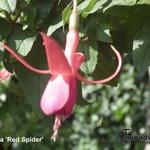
(59, 96)
(62, 84)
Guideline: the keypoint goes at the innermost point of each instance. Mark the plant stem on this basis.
(74, 5)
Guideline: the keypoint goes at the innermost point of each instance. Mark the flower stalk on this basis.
(74, 6)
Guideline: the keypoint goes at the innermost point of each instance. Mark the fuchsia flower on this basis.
(59, 96)
(62, 83)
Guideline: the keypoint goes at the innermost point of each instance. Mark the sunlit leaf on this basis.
(22, 41)
(8, 5)
(141, 50)
(91, 57)
(121, 2)
(53, 28)
(66, 14)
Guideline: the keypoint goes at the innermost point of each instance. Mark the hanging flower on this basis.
(59, 96)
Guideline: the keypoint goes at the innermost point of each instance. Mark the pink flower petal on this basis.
(77, 59)
(55, 95)
(72, 98)
(57, 61)
(72, 42)
(67, 109)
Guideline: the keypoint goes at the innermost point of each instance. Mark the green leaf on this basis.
(83, 5)
(91, 57)
(12, 4)
(97, 6)
(5, 29)
(29, 15)
(6, 62)
(89, 8)
(103, 33)
(98, 28)
(53, 28)
(86, 6)
(125, 23)
(106, 63)
(81, 101)
(141, 50)
(66, 14)
(121, 2)
(22, 41)
(33, 84)
(8, 5)
(143, 2)
(120, 41)
(1, 53)
(43, 9)
(4, 5)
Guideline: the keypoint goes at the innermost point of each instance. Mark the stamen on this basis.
(56, 126)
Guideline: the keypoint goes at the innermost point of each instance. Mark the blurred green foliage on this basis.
(103, 111)
(95, 126)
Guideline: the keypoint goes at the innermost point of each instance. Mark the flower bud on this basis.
(74, 21)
